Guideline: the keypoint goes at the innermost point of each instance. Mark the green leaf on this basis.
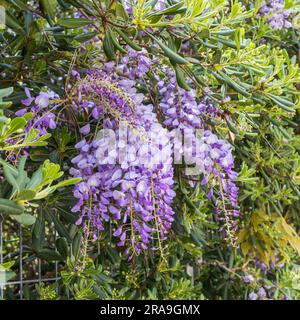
(169, 10)
(224, 32)
(36, 179)
(60, 228)
(85, 36)
(28, 116)
(180, 79)
(44, 193)
(38, 233)
(221, 76)
(13, 170)
(26, 195)
(50, 171)
(128, 41)
(20, 4)
(115, 41)
(10, 207)
(68, 216)
(16, 124)
(204, 33)
(50, 255)
(68, 182)
(231, 125)
(74, 22)
(8, 173)
(4, 120)
(108, 47)
(22, 163)
(6, 92)
(228, 43)
(5, 105)
(22, 177)
(172, 55)
(121, 11)
(76, 244)
(13, 23)
(7, 265)
(25, 219)
(64, 4)
(238, 36)
(217, 57)
(62, 247)
(210, 225)
(48, 9)
(38, 142)
(282, 102)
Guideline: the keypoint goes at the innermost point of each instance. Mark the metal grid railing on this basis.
(27, 267)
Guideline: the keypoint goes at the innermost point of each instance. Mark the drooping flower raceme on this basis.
(181, 111)
(127, 184)
(42, 118)
(140, 197)
(211, 156)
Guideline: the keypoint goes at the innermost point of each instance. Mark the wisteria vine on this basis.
(132, 194)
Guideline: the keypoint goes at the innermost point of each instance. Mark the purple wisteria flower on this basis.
(262, 293)
(278, 18)
(42, 118)
(27, 102)
(253, 296)
(135, 193)
(248, 278)
(212, 156)
(144, 183)
(85, 129)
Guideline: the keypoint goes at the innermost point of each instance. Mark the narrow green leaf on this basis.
(169, 10)
(48, 9)
(128, 41)
(85, 37)
(115, 41)
(38, 232)
(68, 182)
(74, 22)
(36, 179)
(68, 216)
(172, 55)
(61, 229)
(228, 43)
(181, 79)
(26, 195)
(62, 247)
(13, 170)
(50, 255)
(108, 47)
(121, 11)
(11, 179)
(76, 244)
(282, 102)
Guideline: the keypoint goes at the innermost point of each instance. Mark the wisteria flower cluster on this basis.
(43, 117)
(278, 18)
(211, 156)
(136, 193)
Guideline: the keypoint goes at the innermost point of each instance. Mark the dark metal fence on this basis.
(27, 267)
